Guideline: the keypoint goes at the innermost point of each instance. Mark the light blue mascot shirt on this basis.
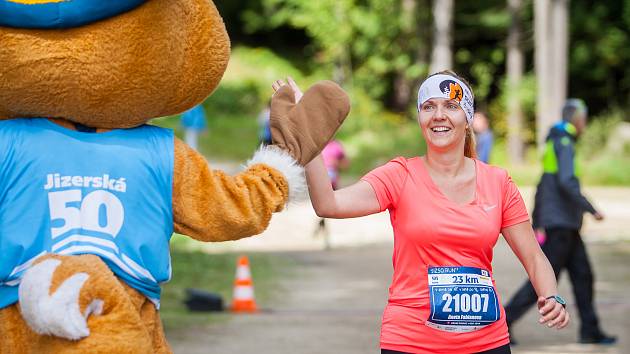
(69, 192)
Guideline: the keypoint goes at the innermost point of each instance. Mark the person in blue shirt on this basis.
(483, 135)
(264, 130)
(194, 123)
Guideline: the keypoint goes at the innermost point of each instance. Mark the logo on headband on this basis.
(452, 89)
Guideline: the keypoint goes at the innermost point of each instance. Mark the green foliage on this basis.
(232, 109)
(601, 164)
(323, 20)
(526, 174)
(231, 137)
(373, 39)
(594, 140)
(599, 53)
(375, 43)
(497, 110)
(372, 136)
(259, 68)
(608, 170)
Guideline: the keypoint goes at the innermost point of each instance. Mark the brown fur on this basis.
(209, 205)
(130, 323)
(118, 72)
(159, 59)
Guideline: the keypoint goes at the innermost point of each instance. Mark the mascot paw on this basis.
(56, 313)
(305, 127)
(282, 161)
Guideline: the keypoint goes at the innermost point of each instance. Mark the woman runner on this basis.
(447, 210)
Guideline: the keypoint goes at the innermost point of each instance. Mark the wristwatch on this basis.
(558, 299)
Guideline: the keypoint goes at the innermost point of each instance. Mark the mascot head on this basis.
(108, 64)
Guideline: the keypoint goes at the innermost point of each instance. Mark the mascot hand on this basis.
(303, 126)
(50, 295)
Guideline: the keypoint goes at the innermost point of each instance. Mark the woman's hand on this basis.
(552, 313)
(292, 84)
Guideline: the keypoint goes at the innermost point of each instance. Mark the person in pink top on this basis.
(447, 210)
(335, 159)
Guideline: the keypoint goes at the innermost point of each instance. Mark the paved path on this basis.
(334, 300)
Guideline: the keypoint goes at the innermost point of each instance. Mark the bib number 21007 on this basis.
(463, 299)
(99, 211)
(465, 302)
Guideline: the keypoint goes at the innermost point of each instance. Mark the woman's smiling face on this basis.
(443, 123)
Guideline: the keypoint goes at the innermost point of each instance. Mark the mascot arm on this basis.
(209, 205)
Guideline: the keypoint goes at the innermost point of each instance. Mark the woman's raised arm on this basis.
(356, 200)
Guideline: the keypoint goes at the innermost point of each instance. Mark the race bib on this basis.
(463, 299)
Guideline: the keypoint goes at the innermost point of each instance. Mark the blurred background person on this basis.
(559, 208)
(194, 123)
(264, 130)
(335, 159)
(483, 135)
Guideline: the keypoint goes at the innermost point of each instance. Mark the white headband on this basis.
(449, 87)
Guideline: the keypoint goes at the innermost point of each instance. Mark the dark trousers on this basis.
(564, 249)
(504, 349)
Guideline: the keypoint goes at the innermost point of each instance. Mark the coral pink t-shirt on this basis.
(442, 298)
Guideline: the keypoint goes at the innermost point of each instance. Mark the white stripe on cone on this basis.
(243, 292)
(243, 273)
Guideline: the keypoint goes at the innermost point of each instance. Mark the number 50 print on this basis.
(88, 215)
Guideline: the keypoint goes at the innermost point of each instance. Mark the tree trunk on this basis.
(402, 84)
(442, 57)
(514, 77)
(551, 35)
(342, 72)
(543, 66)
(560, 24)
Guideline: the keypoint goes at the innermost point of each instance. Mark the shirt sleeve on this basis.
(514, 210)
(388, 181)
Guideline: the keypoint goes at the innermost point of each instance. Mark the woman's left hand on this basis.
(552, 313)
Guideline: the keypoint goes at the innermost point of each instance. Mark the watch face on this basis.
(560, 300)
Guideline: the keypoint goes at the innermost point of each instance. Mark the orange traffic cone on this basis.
(243, 298)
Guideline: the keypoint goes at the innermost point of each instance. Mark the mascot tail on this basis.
(76, 301)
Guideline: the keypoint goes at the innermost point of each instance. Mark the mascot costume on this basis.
(90, 194)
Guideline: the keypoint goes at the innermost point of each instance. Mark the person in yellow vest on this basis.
(559, 207)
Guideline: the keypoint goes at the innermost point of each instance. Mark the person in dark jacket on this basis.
(559, 207)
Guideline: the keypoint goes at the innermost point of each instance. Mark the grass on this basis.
(227, 138)
(605, 169)
(215, 273)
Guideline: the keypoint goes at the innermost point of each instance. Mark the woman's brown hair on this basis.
(470, 145)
